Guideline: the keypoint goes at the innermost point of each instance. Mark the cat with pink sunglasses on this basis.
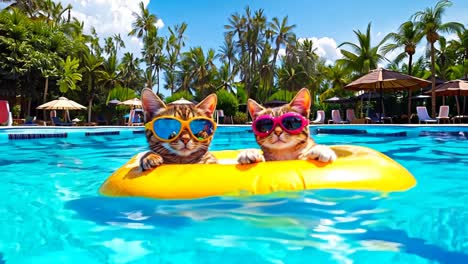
(283, 133)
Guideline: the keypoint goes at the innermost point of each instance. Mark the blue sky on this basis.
(332, 18)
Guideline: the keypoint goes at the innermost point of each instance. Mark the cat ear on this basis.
(301, 102)
(208, 105)
(151, 104)
(254, 108)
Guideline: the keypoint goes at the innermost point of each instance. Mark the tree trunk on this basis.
(157, 74)
(273, 65)
(29, 106)
(90, 105)
(410, 61)
(433, 96)
(46, 88)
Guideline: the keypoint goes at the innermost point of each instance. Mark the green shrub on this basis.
(16, 110)
(178, 95)
(241, 93)
(240, 118)
(282, 95)
(227, 102)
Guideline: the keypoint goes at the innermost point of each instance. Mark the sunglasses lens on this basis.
(292, 123)
(166, 128)
(264, 125)
(201, 128)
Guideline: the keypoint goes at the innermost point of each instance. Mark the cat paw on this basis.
(250, 156)
(321, 153)
(150, 161)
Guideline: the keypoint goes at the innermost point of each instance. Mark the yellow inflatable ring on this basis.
(357, 168)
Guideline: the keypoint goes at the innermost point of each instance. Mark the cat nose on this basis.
(278, 130)
(185, 138)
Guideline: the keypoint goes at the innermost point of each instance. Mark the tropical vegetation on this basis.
(45, 53)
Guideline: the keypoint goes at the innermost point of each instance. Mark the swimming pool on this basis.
(51, 212)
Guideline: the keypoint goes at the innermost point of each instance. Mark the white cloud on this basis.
(326, 48)
(110, 17)
(282, 52)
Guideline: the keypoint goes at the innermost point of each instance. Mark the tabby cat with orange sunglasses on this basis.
(177, 133)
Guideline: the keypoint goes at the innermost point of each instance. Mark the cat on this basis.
(183, 149)
(281, 145)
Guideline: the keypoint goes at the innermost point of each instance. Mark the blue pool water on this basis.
(51, 213)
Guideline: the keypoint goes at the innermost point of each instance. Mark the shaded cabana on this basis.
(382, 79)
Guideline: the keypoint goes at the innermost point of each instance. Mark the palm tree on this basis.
(109, 47)
(144, 22)
(201, 69)
(460, 47)
(131, 72)
(429, 22)
(119, 43)
(111, 76)
(52, 12)
(92, 70)
(407, 38)
(237, 27)
(27, 6)
(226, 53)
(282, 34)
(365, 57)
(174, 44)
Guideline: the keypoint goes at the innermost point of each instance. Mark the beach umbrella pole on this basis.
(409, 106)
(381, 103)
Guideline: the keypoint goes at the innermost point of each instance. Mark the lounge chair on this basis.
(443, 114)
(135, 118)
(57, 122)
(219, 116)
(350, 116)
(423, 116)
(30, 121)
(5, 114)
(336, 117)
(320, 119)
(378, 118)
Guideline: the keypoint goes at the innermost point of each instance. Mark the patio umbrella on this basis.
(453, 88)
(61, 104)
(131, 102)
(181, 101)
(114, 101)
(337, 100)
(420, 96)
(383, 79)
(367, 96)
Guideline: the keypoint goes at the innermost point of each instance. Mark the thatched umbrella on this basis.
(383, 79)
(62, 103)
(132, 102)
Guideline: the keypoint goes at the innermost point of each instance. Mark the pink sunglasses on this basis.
(293, 123)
